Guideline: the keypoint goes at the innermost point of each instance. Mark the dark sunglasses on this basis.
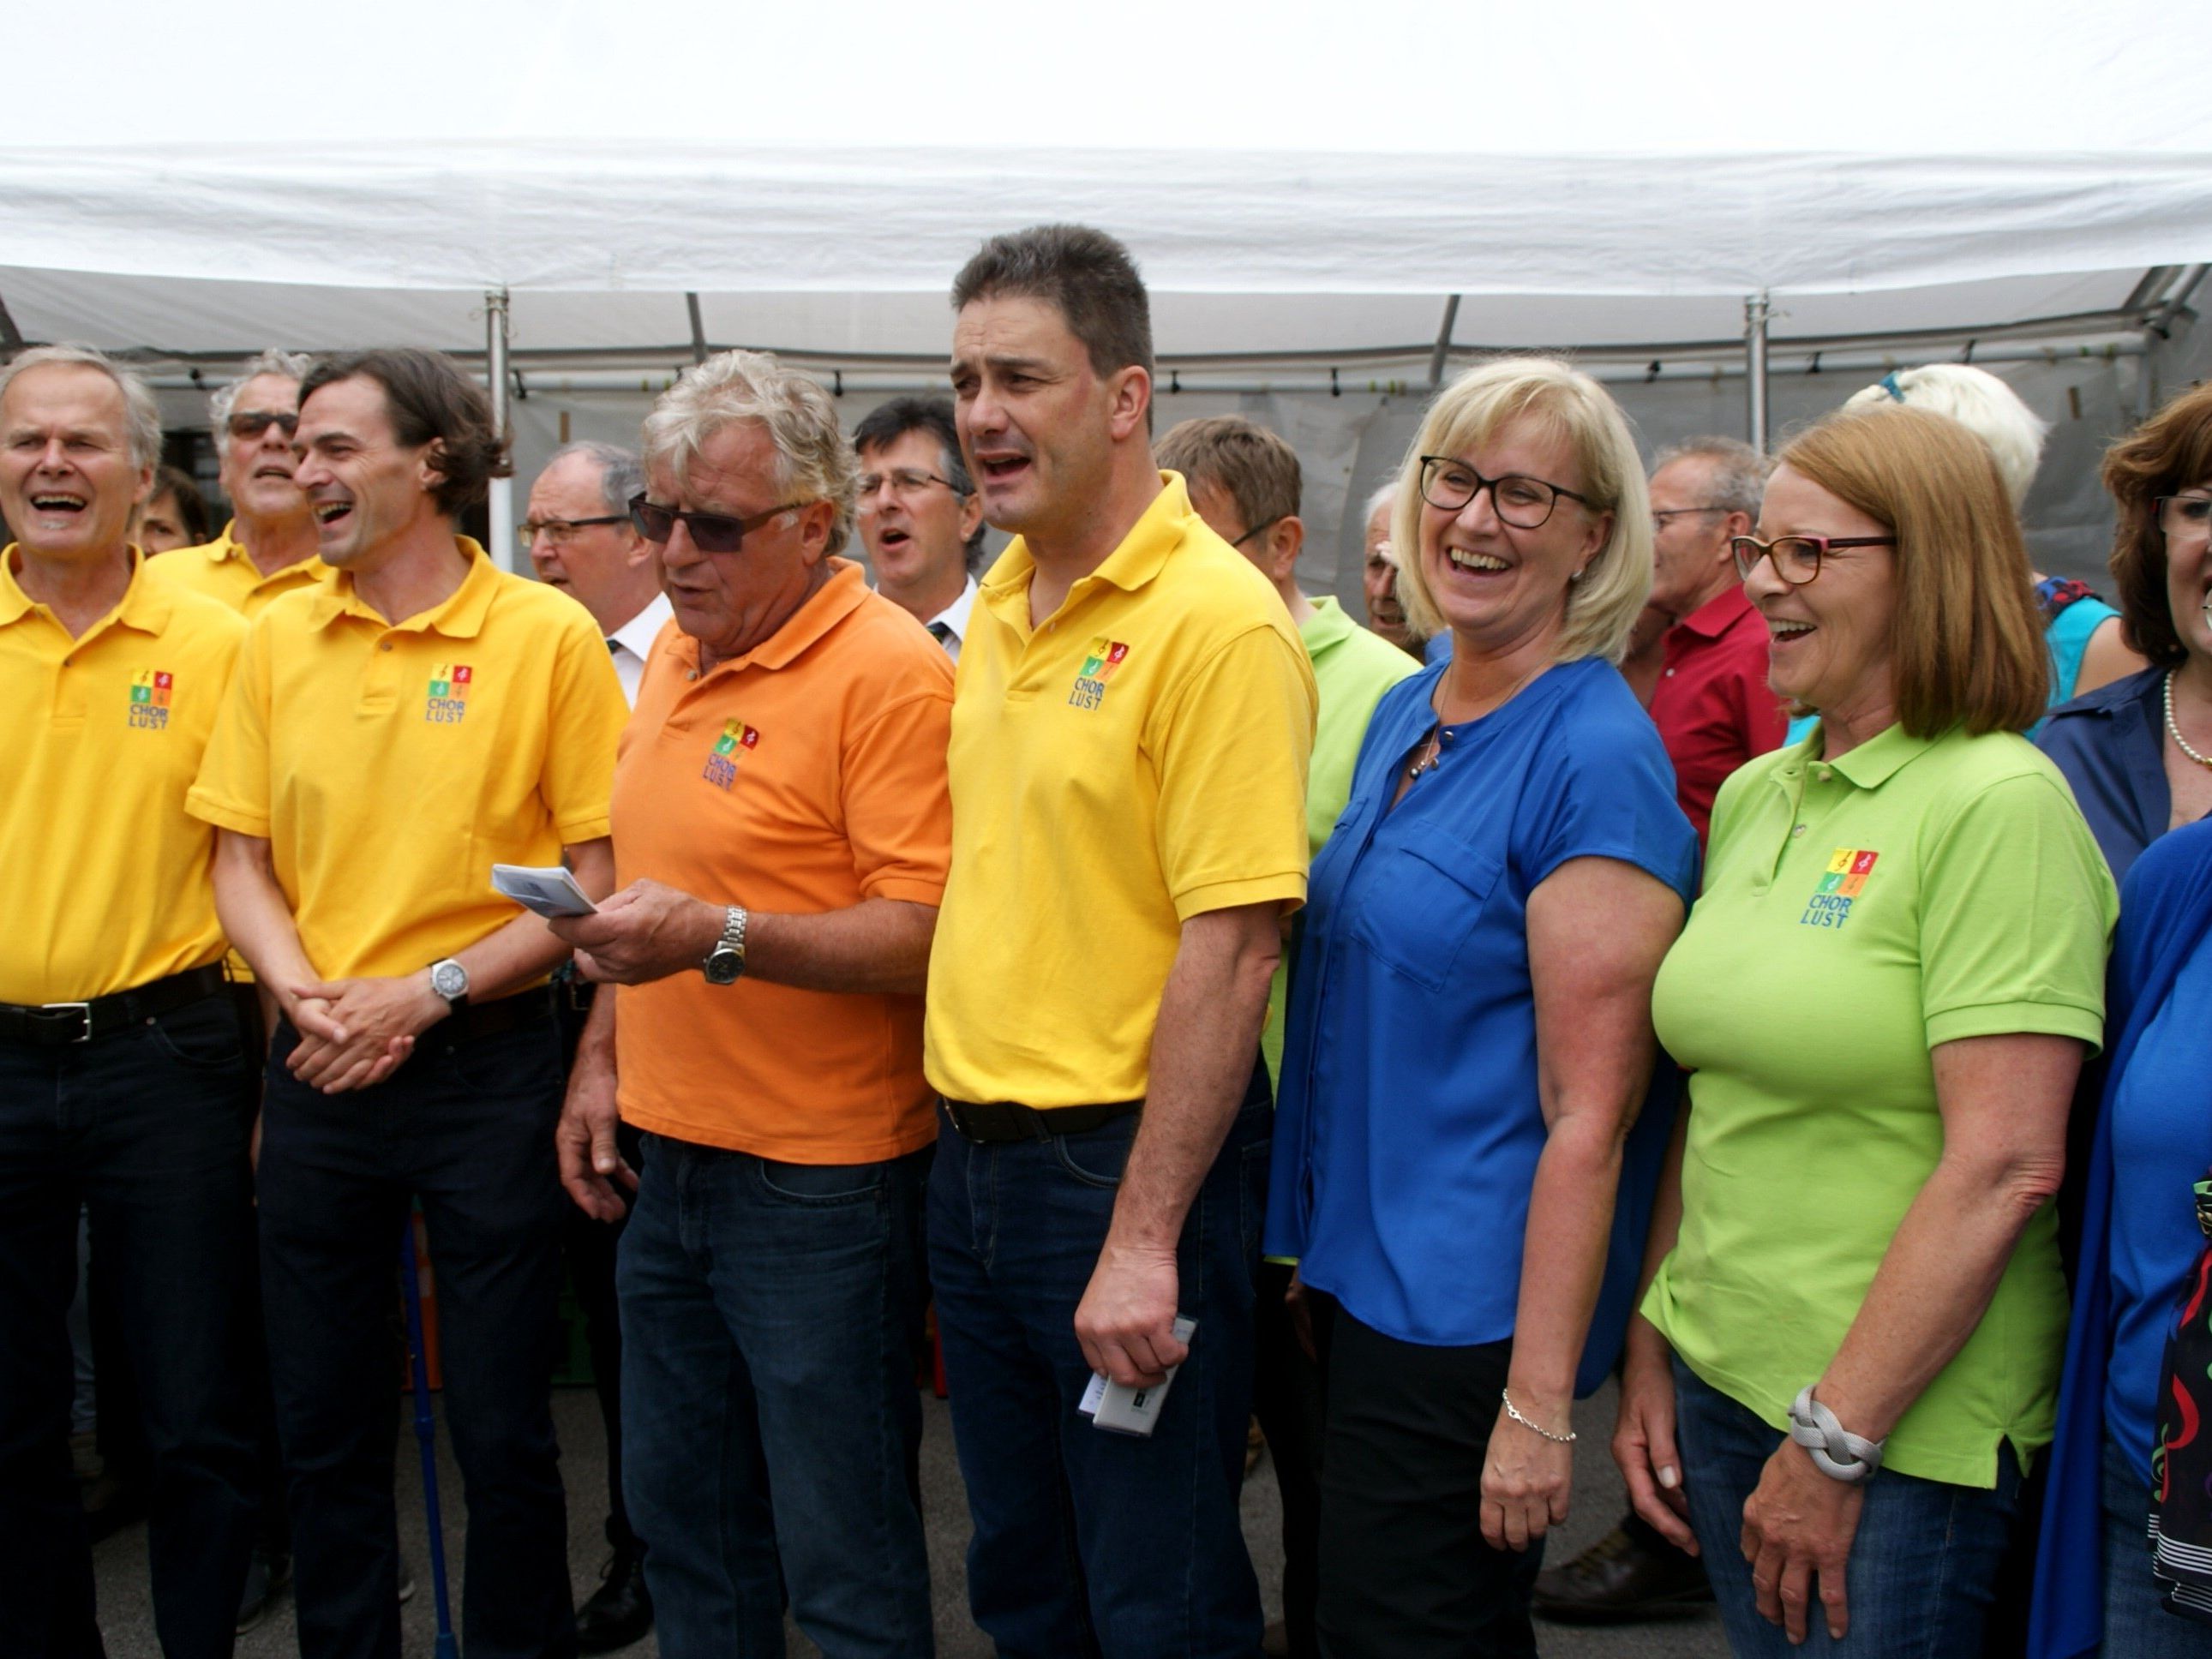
(711, 532)
(253, 423)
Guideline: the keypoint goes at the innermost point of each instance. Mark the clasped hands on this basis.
(355, 1033)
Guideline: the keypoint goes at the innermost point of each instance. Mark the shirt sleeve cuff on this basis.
(2016, 1018)
(912, 890)
(1288, 888)
(576, 833)
(225, 815)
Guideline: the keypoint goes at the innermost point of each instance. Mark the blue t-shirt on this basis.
(1409, 1127)
(2161, 1112)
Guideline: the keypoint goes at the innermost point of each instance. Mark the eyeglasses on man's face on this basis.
(560, 532)
(253, 423)
(1663, 516)
(711, 532)
(1796, 559)
(1525, 503)
(904, 481)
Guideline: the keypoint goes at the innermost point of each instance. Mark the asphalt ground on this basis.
(126, 1614)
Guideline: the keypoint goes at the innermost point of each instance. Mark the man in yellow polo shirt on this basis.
(126, 1084)
(1130, 737)
(268, 548)
(393, 732)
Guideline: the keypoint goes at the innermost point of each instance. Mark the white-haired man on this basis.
(782, 827)
(126, 1084)
(268, 548)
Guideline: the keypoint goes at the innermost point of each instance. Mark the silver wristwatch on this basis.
(450, 981)
(726, 961)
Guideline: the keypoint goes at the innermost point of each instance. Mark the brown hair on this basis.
(1254, 467)
(2170, 451)
(1968, 640)
(428, 400)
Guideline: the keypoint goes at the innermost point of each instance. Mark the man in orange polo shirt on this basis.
(782, 829)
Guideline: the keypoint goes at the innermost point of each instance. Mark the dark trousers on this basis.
(148, 1128)
(1286, 1398)
(587, 1246)
(466, 1127)
(1088, 1543)
(1405, 1572)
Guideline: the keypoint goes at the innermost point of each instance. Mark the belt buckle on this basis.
(58, 1011)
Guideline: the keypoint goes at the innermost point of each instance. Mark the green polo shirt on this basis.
(1352, 668)
(1856, 913)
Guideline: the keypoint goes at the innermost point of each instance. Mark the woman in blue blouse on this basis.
(2138, 752)
(1469, 1035)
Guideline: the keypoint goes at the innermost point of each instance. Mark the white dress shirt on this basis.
(951, 624)
(629, 644)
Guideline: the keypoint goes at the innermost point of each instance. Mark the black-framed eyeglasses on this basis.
(711, 532)
(1659, 515)
(558, 530)
(1525, 503)
(1797, 558)
(253, 423)
(1264, 525)
(2184, 516)
(903, 481)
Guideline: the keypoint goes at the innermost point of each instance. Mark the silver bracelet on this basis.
(1836, 1452)
(1513, 1412)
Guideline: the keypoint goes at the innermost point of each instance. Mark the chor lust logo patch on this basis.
(1100, 661)
(150, 690)
(737, 741)
(448, 698)
(1840, 888)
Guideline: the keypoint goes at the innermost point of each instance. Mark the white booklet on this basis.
(549, 892)
(1120, 1409)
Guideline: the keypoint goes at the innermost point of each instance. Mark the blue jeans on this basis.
(148, 1128)
(466, 1127)
(1086, 1542)
(771, 1314)
(1921, 1564)
(2136, 1624)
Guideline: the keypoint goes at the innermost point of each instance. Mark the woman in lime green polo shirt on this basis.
(1884, 996)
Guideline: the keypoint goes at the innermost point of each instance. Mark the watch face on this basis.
(722, 966)
(449, 980)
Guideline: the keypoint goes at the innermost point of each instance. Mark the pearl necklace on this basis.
(2174, 731)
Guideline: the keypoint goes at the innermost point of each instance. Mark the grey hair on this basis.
(1985, 405)
(621, 472)
(1384, 494)
(141, 415)
(285, 365)
(814, 459)
(1738, 479)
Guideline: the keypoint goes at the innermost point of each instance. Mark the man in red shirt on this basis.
(1713, 707)
(1715, 711)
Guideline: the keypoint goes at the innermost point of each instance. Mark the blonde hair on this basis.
(1565, 403)
(814, 460)
(1976, 400)
(1967, 638)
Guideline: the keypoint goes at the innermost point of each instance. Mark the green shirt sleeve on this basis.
(2017, 909)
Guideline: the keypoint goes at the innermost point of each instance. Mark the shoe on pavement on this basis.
(266, 1574)
(406, 1580)
(1621, 1579)
(619, 1612)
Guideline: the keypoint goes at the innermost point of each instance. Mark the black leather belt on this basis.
(997, 1120)
(58, 1024)
(495, 1019)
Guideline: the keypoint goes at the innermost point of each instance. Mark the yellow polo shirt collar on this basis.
(460, 617)
(142, 606)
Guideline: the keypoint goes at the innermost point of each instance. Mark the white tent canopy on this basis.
(1319, 201)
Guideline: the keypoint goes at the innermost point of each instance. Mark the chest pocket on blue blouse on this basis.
(1421, 905)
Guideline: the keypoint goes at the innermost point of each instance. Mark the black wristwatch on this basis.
(725, 962)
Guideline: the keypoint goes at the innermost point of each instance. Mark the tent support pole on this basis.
(1444, 342)
(698, 328)
(1755, 313)
(502, 489)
